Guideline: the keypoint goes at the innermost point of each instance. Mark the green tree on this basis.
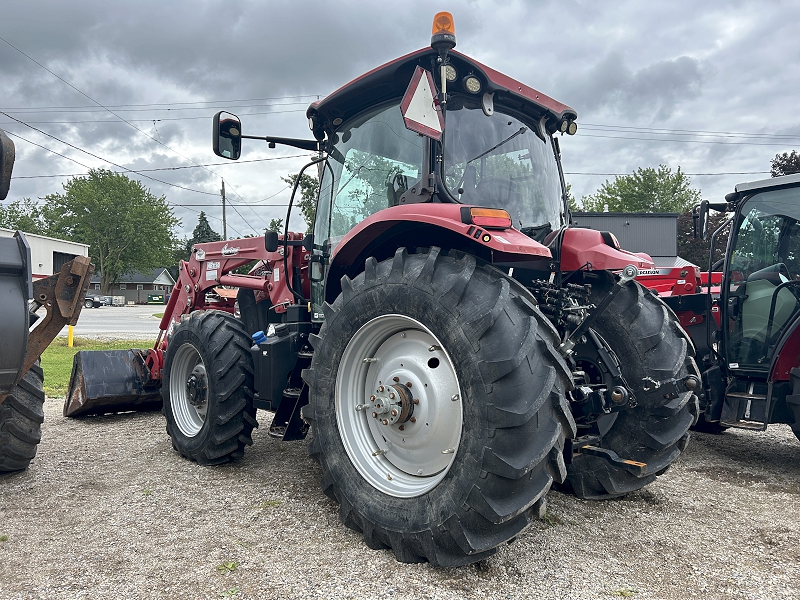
(573, 204)
(24, 215)
(785, 164)
(128, 229)
(202, 233)
(309, 188)
(696, 249)
(275, 225)
(646, 190)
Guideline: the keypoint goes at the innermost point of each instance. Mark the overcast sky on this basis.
(708, 86)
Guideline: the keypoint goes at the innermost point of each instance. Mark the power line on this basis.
(113, 113)
(692, 174)
(105, 159)
(621, 137)
(16, 135)
(656, 130)
(272, 112)
(144, 170)
(214, 102)
(150, 109)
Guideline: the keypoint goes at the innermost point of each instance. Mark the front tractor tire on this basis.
(437, 407)
(652, 351)
(207, 388)
(21, 418)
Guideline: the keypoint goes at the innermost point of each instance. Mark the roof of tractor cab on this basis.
(772, 182)
(390, 81)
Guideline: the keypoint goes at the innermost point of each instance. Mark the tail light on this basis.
(489, 218)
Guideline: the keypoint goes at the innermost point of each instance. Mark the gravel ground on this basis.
(109, 510)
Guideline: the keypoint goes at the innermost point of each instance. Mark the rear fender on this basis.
(787, 353)
(589, 249)
(423, 226)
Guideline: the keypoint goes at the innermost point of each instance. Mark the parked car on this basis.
(97, 301)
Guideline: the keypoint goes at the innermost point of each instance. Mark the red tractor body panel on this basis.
(586, 249)
(787, 354)
(508, 242)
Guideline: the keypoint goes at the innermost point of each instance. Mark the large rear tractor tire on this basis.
(652, 350)
(437, 407)
(21, 418)
(207, 388)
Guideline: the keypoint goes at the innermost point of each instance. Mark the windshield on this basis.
(374, 161)
(764, 279)
(498, 161)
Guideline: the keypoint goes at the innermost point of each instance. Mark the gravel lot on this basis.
(109, 510)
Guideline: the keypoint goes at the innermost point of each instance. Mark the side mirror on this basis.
(308, 242)
(6, 163)
(227, 135)
(702, 215)
(271, 241)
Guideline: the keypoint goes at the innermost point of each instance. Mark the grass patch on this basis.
(269, 504)
(57, 360)
(625, 592)
(552, 520)
(229, 566)
(3, 538)
(158, 315)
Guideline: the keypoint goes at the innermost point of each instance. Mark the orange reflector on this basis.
(490, 217)
(443, 23)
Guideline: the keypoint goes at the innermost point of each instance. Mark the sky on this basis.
(710, 87)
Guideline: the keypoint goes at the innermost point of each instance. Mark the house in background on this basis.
(653, 233)
(48, 254)
(136, 287)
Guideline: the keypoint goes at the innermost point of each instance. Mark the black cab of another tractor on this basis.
(750, 357)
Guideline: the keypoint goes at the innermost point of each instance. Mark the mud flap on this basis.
(108, 381)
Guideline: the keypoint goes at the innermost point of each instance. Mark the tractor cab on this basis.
(760, 306)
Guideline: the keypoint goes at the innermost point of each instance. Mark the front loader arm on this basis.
(62, 295)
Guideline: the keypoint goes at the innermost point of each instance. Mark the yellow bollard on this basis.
(69, 336)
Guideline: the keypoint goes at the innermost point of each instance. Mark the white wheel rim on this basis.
(188, 406)
(402, 459)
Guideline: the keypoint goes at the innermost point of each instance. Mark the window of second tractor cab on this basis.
(375, 159)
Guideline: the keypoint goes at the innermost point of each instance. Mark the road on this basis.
(121, 322)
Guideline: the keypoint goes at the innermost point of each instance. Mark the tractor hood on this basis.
(390, 81)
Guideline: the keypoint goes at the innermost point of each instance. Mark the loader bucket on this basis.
(109, 381)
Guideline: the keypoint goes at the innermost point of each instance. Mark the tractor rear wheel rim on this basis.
(403, 455)
(188, 390)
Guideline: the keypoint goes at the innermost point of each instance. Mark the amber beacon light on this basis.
(443, 34)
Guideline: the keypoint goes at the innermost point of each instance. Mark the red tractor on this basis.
(454, 347)
(747, 330)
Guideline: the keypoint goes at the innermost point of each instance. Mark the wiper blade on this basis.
(496, 146)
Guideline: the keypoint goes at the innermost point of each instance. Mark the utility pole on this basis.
(224, 223)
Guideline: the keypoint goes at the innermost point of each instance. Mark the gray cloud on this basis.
(678, 66)
(652, 92)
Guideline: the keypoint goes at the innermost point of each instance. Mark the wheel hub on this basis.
(197, 387)
(393, 404)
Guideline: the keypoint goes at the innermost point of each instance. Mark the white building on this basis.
(48, 255)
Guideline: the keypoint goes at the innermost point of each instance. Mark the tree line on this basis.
(662, 190)
(129, 229)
